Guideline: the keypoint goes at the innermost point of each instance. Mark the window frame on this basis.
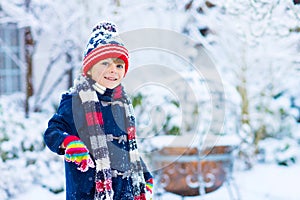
(13, 64)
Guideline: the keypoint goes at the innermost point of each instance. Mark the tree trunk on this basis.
(247, 149)
(29, 45)
(70, 71)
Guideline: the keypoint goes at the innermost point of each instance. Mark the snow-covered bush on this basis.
(161, 116)
(281, 151)
(24, 159)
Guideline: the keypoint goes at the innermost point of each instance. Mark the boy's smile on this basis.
(110, 78)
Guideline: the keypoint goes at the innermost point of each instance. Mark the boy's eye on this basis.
(120, 66)
(105, 63)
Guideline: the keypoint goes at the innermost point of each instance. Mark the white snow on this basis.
(192, 140)
(28, 170)
(263, 182)
(37, 192)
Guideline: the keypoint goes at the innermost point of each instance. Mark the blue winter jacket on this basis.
(70, 120)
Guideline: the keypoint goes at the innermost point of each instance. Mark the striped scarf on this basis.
(98, 139)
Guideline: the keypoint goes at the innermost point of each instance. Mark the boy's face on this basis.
(108, 72)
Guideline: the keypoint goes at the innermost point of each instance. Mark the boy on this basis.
(94, 127)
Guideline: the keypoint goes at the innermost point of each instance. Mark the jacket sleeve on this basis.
(60, 126)
(147, 174)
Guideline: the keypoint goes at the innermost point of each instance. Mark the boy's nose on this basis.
(112, 67)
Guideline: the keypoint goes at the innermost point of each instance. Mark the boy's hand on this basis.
(77, 152)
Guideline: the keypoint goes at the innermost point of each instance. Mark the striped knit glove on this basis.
(149, 186)
(77, 152)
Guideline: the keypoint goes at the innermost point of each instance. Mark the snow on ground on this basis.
(38, 192)
(263, 182)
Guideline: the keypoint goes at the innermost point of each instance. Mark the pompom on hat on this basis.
(104, 43)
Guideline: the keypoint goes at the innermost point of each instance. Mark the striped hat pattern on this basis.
(104, 43)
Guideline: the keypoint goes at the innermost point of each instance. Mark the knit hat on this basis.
(104, 43)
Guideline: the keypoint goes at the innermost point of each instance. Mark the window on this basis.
(10, 58)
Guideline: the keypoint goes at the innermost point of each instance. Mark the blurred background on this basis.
(254, 46)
